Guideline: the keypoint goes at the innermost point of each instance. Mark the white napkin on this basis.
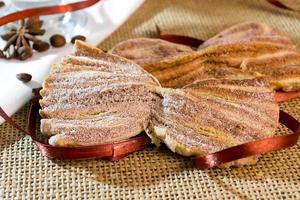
(103, 18)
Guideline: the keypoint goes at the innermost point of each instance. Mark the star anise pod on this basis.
(20, 39)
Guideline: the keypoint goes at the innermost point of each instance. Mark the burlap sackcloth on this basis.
(158, 173)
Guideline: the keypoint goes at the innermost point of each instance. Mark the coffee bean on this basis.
(2, 4)
(57, 40)
(2, 54)
(77, 37)
(24, 53)
(40, 46)
(24, 77)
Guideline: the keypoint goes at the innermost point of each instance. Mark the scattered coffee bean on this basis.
(40, 46)
(57, 40)
(77, 37)
(2, 4)
(24, 53)
(2, 54)
(24, 77)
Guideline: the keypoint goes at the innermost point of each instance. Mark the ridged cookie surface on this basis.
(248, 49)
(92, 98)
(145, 51)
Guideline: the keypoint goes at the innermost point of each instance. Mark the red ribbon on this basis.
(49, 10)
(280, 5)
(112, 151)
(179, 39)
(118, 150)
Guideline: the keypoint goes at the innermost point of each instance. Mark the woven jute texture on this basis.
(158, 173)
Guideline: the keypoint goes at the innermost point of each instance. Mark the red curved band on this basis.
(120, 149)
(279, 4)
(49, 10)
